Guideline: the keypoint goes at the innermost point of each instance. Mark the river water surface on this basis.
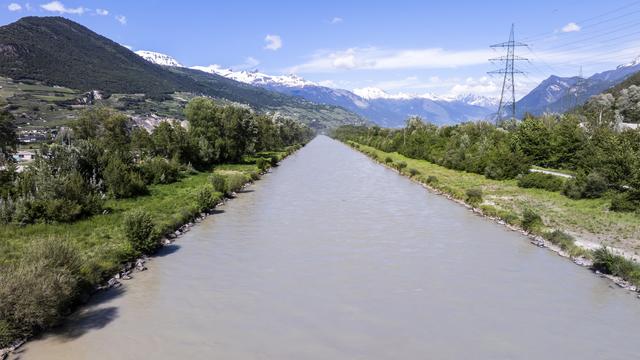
(333, 256)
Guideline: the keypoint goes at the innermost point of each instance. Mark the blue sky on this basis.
(399, 46)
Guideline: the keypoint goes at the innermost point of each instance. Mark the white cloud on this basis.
(121, 19)
(127, 46)
(57, 6)
(328, 83)
(274, 42)
(337, 20)
(102, 12)
(373, 58)
(28, 6)
(571, 27)
(14, 7)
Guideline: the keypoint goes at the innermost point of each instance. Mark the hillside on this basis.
(57, 51)
(560, 94)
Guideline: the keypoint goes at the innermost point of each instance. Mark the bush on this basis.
(531, 221)
(158, 170)
(38, 289)
(474, 196)
(262, 164)
(565, 241)
(608, 263)
(122, 182)
(401, 165)
(388, 160)
(235, 182)
(413, 172)
(138, 229)
(432, 179)
(626, 202)
(219, 183)
(541, 181)
(205, 199)
(572, 189)
(591, 186)
(595, 185)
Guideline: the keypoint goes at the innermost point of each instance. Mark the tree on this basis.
(8, 138)
(532, 137)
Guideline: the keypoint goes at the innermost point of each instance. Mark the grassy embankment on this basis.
(99, 242)
(551, 215)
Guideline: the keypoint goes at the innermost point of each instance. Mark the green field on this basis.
(587, 219)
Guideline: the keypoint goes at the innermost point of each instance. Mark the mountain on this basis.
(58, 51)
(560, 94)
(158, 58)
(391, 110)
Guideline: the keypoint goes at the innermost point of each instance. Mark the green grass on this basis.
(587, 219)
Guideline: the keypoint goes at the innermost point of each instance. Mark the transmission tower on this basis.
(508, 94)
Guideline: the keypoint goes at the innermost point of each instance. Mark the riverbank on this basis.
(106, 255)
(575, 229)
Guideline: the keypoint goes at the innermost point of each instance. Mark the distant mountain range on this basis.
(560, 94)
(58, 51)
(390, 110)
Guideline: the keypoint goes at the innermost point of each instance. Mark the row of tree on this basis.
(603, 156)
(104, 156)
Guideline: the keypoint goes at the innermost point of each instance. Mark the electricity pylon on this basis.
(508, 94)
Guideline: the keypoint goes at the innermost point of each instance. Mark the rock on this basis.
(126, 277)
(165, 241)
(113, 283)
(178, 232)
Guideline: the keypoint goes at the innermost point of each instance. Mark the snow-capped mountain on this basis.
(255, 77)
(378, 106)
(158, 58)
(559, 94)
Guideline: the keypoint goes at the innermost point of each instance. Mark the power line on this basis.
(554, 34)
(508, 72)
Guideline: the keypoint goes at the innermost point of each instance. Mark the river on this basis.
(332, 256)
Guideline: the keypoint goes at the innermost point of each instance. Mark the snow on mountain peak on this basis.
(158, 58)
(255, 77)
(372, 93)
(634, 62)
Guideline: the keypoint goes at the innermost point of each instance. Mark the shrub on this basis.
(138, 229)
(235, 182)
(474, 196)
(609, 263)
(205, 199)
(388, 160)
(401, 165)
(413, 172)
(38, 289)
(531, 220)
(219, 183)
(158, 170)
(541, 181)
(122, 182)
(626, 202)
(565, 241)
(262, 164)
(595, 185)
(572, 189)
(432, 179)
(591, 186)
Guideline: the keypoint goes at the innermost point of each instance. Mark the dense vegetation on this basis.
(94, 198)
(605, 158)
(58, 51)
